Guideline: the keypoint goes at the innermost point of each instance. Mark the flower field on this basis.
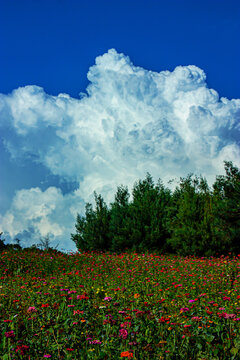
(113, 306)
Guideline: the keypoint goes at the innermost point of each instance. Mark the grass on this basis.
(113, 306)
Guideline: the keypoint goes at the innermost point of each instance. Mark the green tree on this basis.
(92, 230)
(120, 222)
(227, 207)
(148, 212)
(191, 218)
(2, 242)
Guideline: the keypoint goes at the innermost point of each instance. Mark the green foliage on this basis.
(192, 225)
(227, 195)
(93, 228)
(120, 220)
(149, 214)
(192, 220)
(4, 246)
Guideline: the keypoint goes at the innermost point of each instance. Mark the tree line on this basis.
(194, 219)
(44, 245)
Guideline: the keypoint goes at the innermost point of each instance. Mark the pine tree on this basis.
(227, 207)
(92, 230)
(120, 223)
(191, 222)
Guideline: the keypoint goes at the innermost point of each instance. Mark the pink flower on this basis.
(229, 316)
(95, 342)
(123, 333)
(82, 297)
(108, 298)
(47, 356)
(22, 349)
(31, 309)
(9, 334)
(77, 312)
(184, 309)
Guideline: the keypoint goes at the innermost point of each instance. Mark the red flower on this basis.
(127, 354)
(45, 305)
(82, 297)
(163, 319)
(10, 334)
(22, 349)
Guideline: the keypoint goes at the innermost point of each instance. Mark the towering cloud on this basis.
(130, 121)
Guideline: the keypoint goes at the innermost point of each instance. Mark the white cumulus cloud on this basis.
(130, 121)
(38, 213)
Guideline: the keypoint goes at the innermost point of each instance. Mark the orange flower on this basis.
(136, 296)
(127, 354)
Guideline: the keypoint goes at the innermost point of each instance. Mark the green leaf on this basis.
(234, 351)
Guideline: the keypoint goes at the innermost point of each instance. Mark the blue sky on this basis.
(147, 69)
(53, 43)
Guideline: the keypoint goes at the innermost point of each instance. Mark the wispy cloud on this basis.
(130, 121)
